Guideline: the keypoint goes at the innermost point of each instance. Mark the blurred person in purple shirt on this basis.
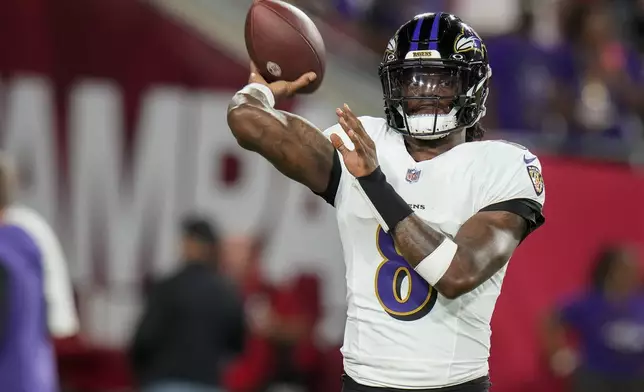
(607, 321)
(27, 361)
(599, 76)
(521, 79)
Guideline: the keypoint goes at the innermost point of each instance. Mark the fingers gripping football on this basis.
(281, 89)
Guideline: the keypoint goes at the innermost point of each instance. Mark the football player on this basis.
(428, 215)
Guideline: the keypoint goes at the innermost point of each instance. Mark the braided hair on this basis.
(474, 133)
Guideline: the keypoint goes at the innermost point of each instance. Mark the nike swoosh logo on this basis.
(528, 160)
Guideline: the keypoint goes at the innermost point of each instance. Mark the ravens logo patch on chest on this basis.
(537, 179)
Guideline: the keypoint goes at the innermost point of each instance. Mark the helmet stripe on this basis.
(433, 35)
(416, 36)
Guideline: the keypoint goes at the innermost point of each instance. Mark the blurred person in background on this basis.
(295, 312)
(608, 321)
(61, 309)
(27, 361)
(280, 353)
(521, 83)
(193, 322)
(240, 263)
(599, 77)
(62, 316)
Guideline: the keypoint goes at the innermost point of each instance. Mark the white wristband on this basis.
(261, 89)
(433, 267)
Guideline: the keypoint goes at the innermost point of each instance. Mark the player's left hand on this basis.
(362, 160)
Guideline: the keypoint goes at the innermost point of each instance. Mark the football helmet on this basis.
(435, 76)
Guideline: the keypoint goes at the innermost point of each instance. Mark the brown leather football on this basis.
(284, 43)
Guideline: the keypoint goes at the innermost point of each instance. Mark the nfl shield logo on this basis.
(412, 175)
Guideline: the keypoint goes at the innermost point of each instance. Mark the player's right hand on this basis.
(281, 89)
(363, 159)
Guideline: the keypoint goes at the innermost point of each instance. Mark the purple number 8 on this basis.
(419, 298)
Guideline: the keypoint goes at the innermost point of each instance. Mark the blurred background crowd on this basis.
(189, 264)
(567, 72)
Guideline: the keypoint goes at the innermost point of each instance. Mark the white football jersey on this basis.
(401, 333)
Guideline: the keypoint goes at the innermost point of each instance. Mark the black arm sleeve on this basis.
(334, 180)
(528, 209)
